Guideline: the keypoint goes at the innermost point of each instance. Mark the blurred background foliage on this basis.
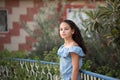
(103, 26)
(46, 28)
(103, 42)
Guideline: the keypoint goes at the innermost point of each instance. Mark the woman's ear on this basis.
(73, 31)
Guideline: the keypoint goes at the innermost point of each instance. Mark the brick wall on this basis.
(16, 38)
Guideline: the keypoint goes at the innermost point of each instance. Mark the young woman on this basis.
(72, 51)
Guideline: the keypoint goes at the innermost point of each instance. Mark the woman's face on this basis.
(65, 30)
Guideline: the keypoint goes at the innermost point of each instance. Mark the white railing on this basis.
(27, 69)
(87, 75)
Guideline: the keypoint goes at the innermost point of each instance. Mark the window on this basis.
(76, 15)
(3, 21)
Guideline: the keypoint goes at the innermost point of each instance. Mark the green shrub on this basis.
(51, 55)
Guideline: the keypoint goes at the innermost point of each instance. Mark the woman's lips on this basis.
(63, 34)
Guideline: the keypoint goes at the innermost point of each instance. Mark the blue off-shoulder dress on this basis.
(66, 61)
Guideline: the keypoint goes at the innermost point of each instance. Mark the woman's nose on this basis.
(63, 31)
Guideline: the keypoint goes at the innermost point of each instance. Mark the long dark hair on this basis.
(77, 37)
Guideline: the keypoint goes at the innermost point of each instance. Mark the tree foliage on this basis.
(103, 26)
(106, 19)
(46, 27)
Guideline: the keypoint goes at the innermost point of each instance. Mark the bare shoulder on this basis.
(74, 44)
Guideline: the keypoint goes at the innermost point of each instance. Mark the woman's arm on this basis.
(75, 66)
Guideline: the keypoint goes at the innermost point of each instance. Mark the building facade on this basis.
(12, 12)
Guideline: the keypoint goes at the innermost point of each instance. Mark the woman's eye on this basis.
(61, 29)
(66, 29)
